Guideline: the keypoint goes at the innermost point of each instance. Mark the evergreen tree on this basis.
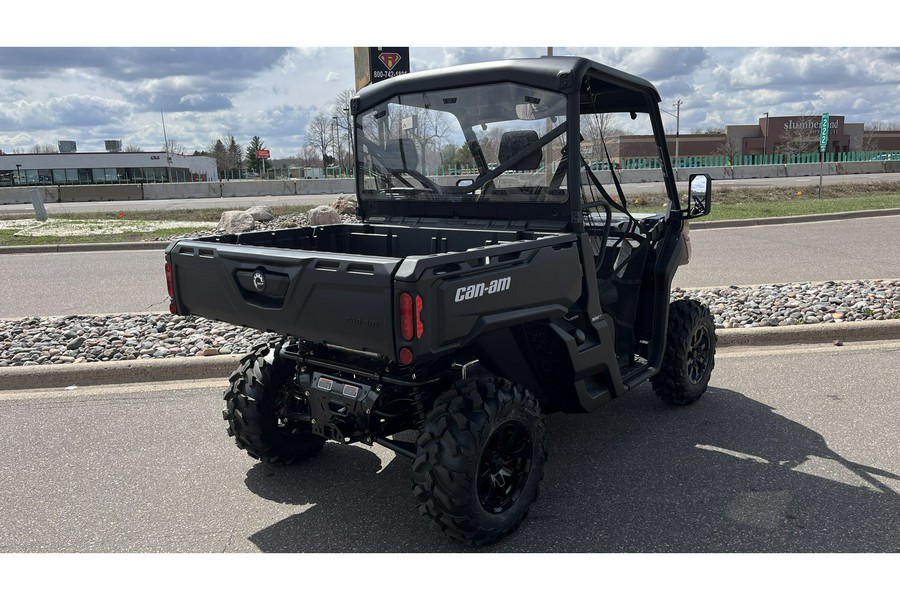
(235, 160)
(254, 163)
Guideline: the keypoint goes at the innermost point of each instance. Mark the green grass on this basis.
(760, 203)
(728, 204)
(802, 205)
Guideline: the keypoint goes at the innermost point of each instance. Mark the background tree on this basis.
(310, 156)
(341, 117)
(430, 131)
(219, 153)
(132, 148)
(254, 163)
(235, 162)
(869, 142)
(597, 129)
(174, 147)
(318, 136)
(802, 139)
(731, 152)
(44, 149)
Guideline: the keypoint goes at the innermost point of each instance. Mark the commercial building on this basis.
(84, 168)
(770, 136)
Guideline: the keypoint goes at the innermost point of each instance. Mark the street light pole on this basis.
(677, 115)
(333, 145)
(677, 126)
(349, 138)
(766, 138)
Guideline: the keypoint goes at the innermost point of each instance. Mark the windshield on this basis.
(491, 143)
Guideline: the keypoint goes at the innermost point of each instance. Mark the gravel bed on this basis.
(100, 338)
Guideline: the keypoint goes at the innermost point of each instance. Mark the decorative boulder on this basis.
(261, 213)
(323, 215)
(236, 221)
(345, 205)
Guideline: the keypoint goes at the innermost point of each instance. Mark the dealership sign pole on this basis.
(823, 144)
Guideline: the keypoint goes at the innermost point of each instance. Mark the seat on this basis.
(514, 142)
(400, 155)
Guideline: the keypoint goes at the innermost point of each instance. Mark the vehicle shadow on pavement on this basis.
(727, 474)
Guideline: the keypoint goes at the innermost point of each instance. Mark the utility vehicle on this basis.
(460, 310)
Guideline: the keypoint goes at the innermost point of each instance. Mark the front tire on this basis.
(690, 353)
(262, 392)
(480, 460)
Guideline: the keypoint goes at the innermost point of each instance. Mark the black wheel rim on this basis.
(504, 467)
(698, 355)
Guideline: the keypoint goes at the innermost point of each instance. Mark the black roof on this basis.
(561, 73)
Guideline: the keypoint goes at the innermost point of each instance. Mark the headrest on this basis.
(400, 155)
(513, 142)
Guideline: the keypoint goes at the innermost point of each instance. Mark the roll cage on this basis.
(556, 91)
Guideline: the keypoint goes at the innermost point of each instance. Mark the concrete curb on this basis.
(51, 248)
(695, 226)
(220, 367)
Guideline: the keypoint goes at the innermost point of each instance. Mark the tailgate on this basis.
(322, 297)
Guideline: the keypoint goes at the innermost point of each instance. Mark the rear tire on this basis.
(689, 356)
(480, 460)
(255, 405)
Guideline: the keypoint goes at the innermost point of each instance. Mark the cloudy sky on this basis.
(270, 83)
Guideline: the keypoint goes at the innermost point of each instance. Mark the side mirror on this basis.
(464, 182)
(699, 196)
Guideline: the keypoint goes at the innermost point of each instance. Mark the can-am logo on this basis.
(478, 290)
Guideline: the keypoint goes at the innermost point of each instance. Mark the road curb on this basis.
(220, 367)
(105, 246)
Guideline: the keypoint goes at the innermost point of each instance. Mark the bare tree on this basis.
(730, 151)
(174, 147)
(318, 135)
(429, 129)
(132, 148)
(44, 149)
(340, 115)
(599, 128)
(870, 137)
(800, 136)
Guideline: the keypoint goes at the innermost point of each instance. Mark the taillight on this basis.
(411, 324)
(406, 356)
(170, 287)
(406, 316)
(420, 326)
(170, 282)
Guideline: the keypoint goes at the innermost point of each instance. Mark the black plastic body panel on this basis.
(335, 299)
(306, 283)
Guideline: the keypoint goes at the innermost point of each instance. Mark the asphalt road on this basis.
(865, 248)
(790, 451)
(57, 284)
